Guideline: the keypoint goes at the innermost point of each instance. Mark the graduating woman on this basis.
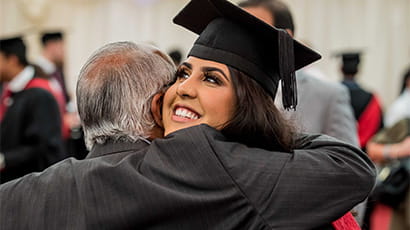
(229, 82)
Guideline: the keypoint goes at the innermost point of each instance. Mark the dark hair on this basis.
(51, 36)
(282, 17)
(406, 77)
(256, 121)
(176, 56)
(16, 47)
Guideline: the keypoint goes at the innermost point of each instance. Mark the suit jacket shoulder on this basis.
(324, 107)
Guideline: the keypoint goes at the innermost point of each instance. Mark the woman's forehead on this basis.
(196, 62)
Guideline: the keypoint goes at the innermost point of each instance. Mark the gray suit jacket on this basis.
(323, 107)
(192, 179)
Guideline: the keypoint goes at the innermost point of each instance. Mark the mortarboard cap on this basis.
(351, 62)
(230, 35)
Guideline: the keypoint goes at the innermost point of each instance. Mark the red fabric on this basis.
(45, 84)
(381, 216)
(369, 121)
(3, 102)
(346, 222)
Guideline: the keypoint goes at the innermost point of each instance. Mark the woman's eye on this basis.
(212, 79)
(182, 74)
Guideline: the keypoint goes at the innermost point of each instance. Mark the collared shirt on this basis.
(21, 80)
(110, 147)
(50, 68)
(46, 65)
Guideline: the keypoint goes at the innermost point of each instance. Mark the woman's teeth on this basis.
(186, 114)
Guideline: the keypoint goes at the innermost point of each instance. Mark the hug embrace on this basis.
(198, 147)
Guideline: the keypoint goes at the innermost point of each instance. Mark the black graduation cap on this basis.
(230, 35)
(351, 62)
(51, 36)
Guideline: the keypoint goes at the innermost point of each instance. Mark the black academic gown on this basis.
(30, 134)
(367, 110)
(192, 179)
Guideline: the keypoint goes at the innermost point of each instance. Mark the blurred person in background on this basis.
(52, 58)
(323, 106)
(30, 121)
(176, 56)
(401, 106)
(366, 106)
(390, 146)
(51, 61)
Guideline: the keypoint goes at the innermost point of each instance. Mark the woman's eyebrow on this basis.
(210, 69)
(187, 65)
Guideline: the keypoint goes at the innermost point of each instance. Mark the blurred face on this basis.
(5, 75)
(202, 94)
(57, 50)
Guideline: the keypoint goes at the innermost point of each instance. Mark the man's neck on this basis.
(15, 71)
(348, 77)
(48, 56)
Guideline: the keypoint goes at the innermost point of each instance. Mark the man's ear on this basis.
(156, 108)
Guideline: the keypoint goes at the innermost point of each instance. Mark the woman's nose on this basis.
(187, 88)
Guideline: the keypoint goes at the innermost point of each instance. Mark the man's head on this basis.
(350, 64)
(53, 47)
(273, 12)
(12, 58)
(115, 90)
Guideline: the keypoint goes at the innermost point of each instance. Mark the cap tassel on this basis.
(287, 70)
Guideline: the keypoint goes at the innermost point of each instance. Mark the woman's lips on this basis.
(184, 114)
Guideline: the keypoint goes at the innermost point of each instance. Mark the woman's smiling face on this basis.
(203, 93)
